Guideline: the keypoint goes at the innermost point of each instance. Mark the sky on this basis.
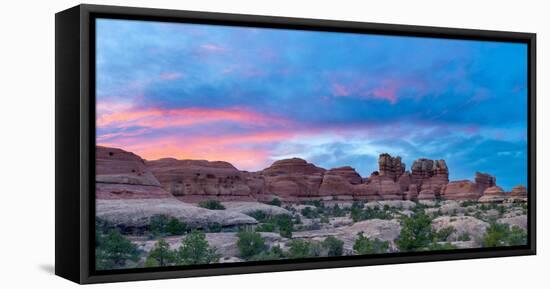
(251, 96)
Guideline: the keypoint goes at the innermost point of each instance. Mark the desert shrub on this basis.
(309, 213)
(416, 233)
(194, 249)
(357, 205)
(161, 255)
(102, 226)
(501, 210)
(212, 205)
(113, 251)
(162, 225)
(214, 227)
(299, 249)
(315, 203)
(275, 253)
(284, 224)
(468, 203)
(336, 211)
(324, 219)
(333, 246)
(259, 215)
(250, 243)
(517, 237)
(495, 235)
(275, 202)
(370, 213)
(464, 237)
(443, 234)
(419, 208)
(266, 227)
(501, 235)
(365, 246)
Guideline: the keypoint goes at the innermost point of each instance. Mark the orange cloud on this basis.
(126, 116)
(244, 151)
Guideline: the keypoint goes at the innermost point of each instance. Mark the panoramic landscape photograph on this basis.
(226, 144)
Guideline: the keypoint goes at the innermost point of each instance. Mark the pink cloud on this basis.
(387, 92)
(171, 75)
(340, 90)
(124, 115)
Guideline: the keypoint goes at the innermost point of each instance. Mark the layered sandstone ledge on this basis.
(124, 175)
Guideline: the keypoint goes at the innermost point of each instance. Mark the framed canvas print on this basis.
(193, 144)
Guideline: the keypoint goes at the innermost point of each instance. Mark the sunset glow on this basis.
(251, 96)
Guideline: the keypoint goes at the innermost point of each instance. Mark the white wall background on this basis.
(27, 144)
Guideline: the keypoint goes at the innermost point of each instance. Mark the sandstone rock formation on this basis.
(136, 213)
(430, 175)
(461, 190)
(494, 194)
(517, 221)
(484, 181)
(381, 187)
(391, 167)
(386, 230)
(124, 175)
(412, 193)
(475, 228)
(293, 179)
(339, 181)
(200, 178)
(426, 195)
(468, 190)
(250, 207)
(518, 194)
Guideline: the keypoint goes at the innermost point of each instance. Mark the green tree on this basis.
(212, 205)
(163, 225)
(113, 251)
(250, 243)
(161, 255)
(498, 235)
(517, 237)
(175, 227)
(275, 253)
(194, 249)
(285, 225)
(275, 202)
(333, 246)
(299, 249)
(443, 234)
(416, 233)
(365, 246)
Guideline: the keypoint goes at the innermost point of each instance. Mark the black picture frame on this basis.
(75, 142)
